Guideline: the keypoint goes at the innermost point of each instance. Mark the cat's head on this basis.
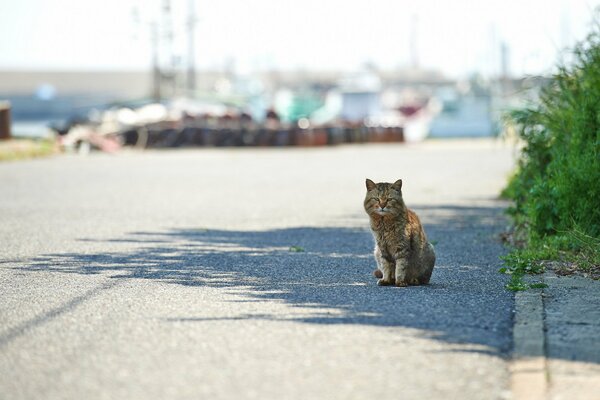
(384, 198)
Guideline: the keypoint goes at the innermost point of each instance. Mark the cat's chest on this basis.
(388, 238)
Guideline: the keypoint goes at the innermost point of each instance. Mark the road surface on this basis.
(169, 274)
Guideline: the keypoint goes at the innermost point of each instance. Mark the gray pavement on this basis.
(572, 313)
(168, 274)
(566, 325)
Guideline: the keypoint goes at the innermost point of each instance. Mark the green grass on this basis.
(573, 251)
(556, 188)
(296, 249)
(538, 285)
(18, 149)
(517, 284)
(518, 264)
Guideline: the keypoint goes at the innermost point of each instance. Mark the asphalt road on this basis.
(168, 274)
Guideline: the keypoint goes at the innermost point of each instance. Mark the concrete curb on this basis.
(529, 377)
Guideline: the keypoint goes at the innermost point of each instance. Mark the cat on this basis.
(403, 254)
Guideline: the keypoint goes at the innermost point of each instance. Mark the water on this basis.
(32, 114)
(31, 129)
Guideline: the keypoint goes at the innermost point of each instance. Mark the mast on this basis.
(191, 70)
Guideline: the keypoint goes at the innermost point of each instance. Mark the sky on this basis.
(457, 37)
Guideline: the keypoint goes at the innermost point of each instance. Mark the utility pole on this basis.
(191, 72)
(169, 71)
(156, 73)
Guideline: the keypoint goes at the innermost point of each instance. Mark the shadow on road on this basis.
(465, 302)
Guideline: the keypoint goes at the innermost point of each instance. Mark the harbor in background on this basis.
(265, 109)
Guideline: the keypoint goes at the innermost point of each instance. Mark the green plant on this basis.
(558, 178)
(18, 149)
(523, 262)
(556, 189)
(516, 283)
(518, 264)
(538, 285)
(296, 249)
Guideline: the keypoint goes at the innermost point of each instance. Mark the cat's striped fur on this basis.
(403, 254)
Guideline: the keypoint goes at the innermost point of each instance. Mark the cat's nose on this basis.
(382, 204)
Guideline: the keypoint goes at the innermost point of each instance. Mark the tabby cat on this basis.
(403, 254)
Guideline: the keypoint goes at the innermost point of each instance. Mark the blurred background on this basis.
(169, 73)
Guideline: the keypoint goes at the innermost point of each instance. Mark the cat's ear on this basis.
(370, 184)
(398, 184)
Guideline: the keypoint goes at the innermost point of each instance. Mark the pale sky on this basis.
(457, 37)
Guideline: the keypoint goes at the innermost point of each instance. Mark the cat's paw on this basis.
(415, 281)
(401, 283)
(383, 282)
(378, 274)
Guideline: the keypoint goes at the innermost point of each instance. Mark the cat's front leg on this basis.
(386, 267)
(401, 266)
(388, 274)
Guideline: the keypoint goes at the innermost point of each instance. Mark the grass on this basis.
(296, 249)
(556, 189)
(568, 252)
(19, 149)
(520, 263)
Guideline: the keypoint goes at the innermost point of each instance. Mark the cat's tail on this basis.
(377, 273)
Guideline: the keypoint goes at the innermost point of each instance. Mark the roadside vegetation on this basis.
(556, 188)
(18, 149)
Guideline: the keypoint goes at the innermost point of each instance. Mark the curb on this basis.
(528, 369)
